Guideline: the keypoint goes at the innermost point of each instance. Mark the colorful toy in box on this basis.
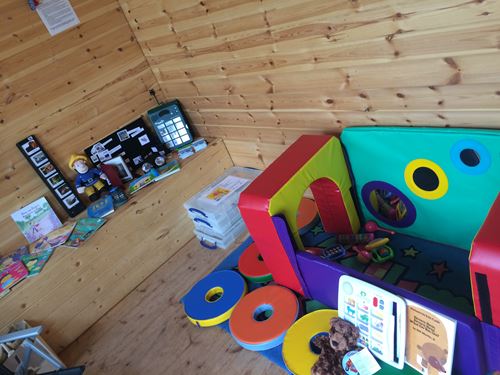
(435, 184)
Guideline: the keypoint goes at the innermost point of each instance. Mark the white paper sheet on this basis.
(57, 15)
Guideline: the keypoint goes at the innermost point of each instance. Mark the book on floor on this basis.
(102, 207)
(34, 263)
(84, 229)
(36, 219)
(53, 239)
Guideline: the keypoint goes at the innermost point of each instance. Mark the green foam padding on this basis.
(382, 154)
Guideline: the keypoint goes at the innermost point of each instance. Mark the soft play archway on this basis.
(312, 161)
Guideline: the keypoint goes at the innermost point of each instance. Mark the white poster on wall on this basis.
(57, 15)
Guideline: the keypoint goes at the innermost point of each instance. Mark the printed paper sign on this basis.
(57, 15)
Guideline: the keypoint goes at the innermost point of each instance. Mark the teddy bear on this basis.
(342, 338)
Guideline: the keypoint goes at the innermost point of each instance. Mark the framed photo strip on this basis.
(51, 175)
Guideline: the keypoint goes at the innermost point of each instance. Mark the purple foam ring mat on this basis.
(411, 215)
(281, 227)
(322, 277)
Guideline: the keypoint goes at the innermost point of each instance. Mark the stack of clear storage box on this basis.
(214, 210)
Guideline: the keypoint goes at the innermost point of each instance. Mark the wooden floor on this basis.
(148, 333)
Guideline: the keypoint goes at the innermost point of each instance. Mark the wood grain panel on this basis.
(79, 286)
(148, 333)
(68, 90)
(71, 90)
(255, 72)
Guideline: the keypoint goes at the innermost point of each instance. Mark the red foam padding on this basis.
(254, 206)
(331, 206)
(485, 259)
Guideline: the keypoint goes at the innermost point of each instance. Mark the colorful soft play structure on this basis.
(440, 185)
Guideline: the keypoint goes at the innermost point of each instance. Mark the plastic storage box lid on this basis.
(218, 201)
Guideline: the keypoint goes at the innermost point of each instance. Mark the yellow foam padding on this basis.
(218, 319)
(297, 353)
(328, 162)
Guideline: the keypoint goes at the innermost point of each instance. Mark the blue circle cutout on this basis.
(411, 213)
(481, 161)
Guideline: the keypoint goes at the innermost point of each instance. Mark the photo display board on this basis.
(134, 142)
(51, 175)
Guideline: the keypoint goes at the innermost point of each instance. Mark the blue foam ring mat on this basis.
(198, 308)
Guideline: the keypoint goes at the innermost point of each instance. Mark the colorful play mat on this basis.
(432, 270)
(435, 271)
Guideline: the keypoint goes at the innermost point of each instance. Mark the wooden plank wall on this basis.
(68, 90)
(71, 90)
(261, 72)
(77, 287)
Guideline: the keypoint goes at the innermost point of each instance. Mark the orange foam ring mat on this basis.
(255, 330)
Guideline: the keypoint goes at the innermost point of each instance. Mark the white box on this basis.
(216, 206)
(223, 241)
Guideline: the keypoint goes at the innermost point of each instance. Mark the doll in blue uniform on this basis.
(90, 181)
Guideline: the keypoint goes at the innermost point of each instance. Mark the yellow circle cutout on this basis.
(442, 186)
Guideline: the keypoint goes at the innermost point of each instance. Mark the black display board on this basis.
(51, 175)
(135, 143)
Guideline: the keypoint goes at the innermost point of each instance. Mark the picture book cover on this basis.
(84, 228)
(168, 169)
(53, 239)
(15, 256)
(142, 181)
(36, 219)
(35, 262)
(430, 340)
(11, 275)
(101, 208)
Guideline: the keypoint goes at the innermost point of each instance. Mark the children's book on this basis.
(168, 169)
(35, 262)
(142, 181)
(101, 208)
(53, 239)
(84, 228)
(36, 219)
(16, 256)
(430, 340)
(11, 275)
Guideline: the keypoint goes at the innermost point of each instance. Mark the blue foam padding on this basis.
(198, 308)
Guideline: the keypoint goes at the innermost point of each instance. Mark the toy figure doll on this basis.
(89, 180)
